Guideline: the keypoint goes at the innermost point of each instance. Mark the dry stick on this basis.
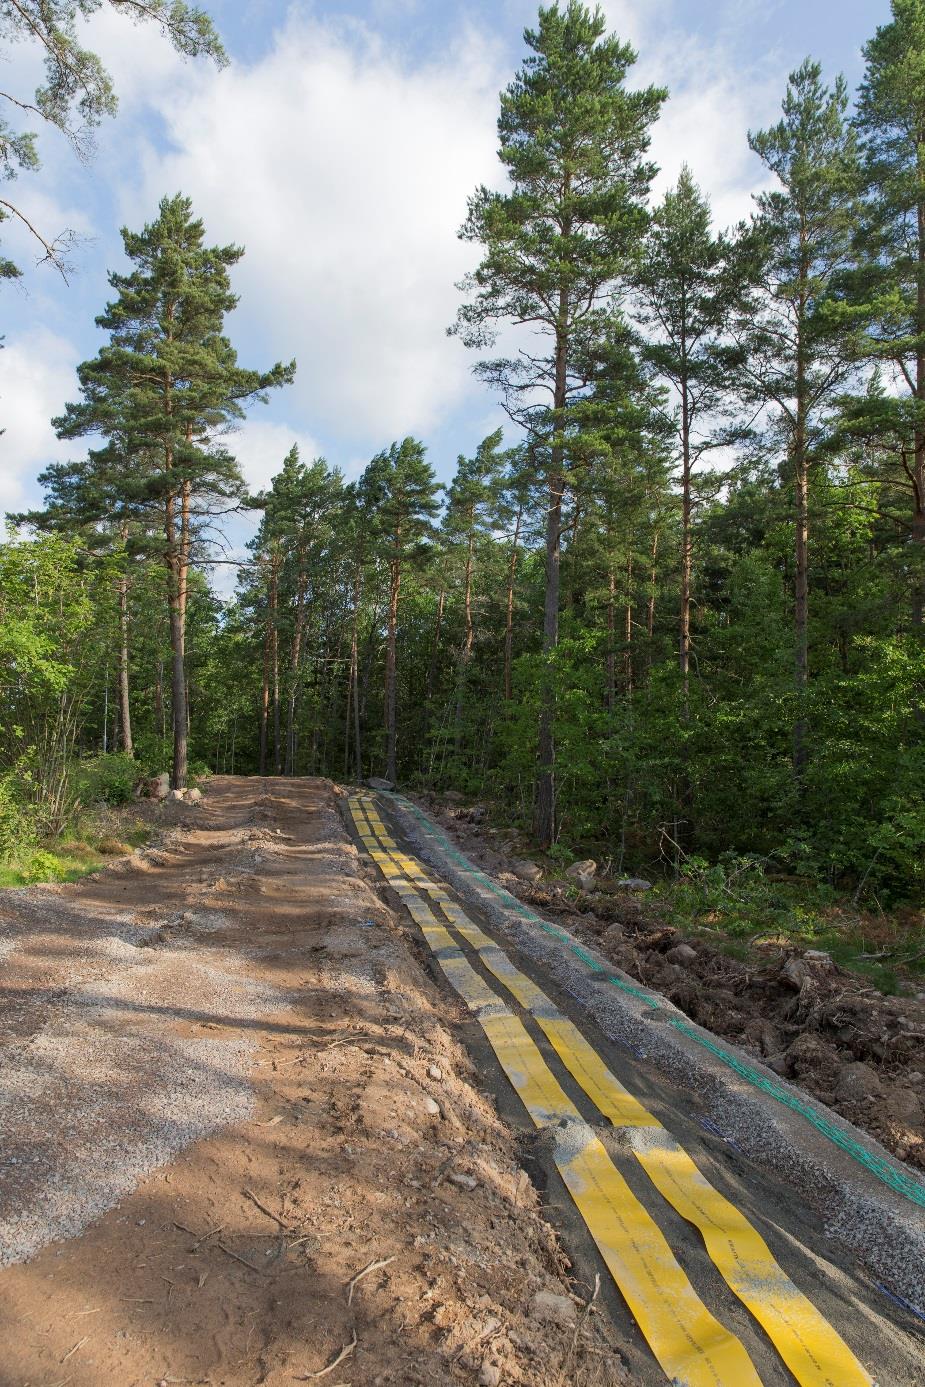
(243, 1260)
(249, 1194)
(583, 1320)
(344, 1353)
(78, 1345)
(373, 1266)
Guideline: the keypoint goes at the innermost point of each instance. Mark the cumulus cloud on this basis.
(36, 378)
(260, 446)
(343, 169)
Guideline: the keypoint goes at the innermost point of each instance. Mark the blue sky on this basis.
(339, 148)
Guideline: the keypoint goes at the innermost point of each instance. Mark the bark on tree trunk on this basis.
(178, 672)
(274, 660)
(628, 629)
(294, 664)
(801, 555)
(125, 711)
(545, 814)
(509, 618)
(265, 700)
(650, 605)
(391, 736)
(684, 652)
(611, 694)
(465, 655)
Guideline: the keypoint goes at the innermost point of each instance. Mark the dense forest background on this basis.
(673, 616)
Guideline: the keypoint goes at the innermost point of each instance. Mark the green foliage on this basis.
(107, 779)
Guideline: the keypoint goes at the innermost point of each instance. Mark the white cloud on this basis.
(715, 96)
(36, 379)
(260, 445)
(344, 172)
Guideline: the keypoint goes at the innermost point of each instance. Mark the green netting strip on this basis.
(897, 1180)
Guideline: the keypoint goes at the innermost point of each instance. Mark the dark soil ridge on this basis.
(857, 1051)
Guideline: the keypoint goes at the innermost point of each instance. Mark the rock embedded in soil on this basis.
(577, 870)
(376, 782)
(552, 1308)
(858, 1083)
(683, 955)
(634, 884)
(526, 871)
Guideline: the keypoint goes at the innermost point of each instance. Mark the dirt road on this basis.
(240, 1141)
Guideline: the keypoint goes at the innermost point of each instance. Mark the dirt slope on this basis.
(222, 1063)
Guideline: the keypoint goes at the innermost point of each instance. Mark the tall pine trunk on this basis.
(465, 655)
(801, 554)
(545, 817)
(684, 652)
(509, 610)
(295, 664)
(391, 734)
(125, 711)
(265, 700)
(177, 667)
(918, 479)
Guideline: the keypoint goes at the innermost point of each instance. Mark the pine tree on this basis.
(888, 292)
(689, 289)
(164, 390)
(403, 499)
(470, 514)
(78, 91)
(573, 141)
(794, 358)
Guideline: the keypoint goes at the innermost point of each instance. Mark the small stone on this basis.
(490, 1375)
(858, 1083)
(435, 1072)
(465, 1182)
(587, 868)
(431, 1107)
(553, 1309)
(634, 884)
(526, 871)
(683, 955)
(903, 1107)
(796, 972)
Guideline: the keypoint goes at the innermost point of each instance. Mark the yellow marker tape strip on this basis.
(691, 1345)
(811, 1348)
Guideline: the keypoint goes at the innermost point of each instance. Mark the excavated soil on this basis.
(227, 1090)
(856, 1050)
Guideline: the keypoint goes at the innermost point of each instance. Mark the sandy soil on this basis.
(227, 1088)
(857, 1051)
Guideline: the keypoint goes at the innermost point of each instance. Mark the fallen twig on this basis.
(71, 1352)
(243, 1260)
(323, 1372)
(373, 1266)
(249, 1194)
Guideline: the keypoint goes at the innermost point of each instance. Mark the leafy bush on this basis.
(108, 778)
(17, 820)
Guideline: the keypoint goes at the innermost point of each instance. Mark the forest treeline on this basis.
(674, 611)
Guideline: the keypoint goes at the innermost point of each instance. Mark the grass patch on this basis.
(737, 906)
(92, 843)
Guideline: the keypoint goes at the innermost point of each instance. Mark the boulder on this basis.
(159, 787)
(683, 955)
(526, 871)
(376, 782)
(587, 868)
(553, 1309)
(634, 884)
(903, 1107)
(177, 796)
(193, 796)
(858, 1083)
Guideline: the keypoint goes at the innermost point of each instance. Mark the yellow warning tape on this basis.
(689, 1343)
(809, 1345)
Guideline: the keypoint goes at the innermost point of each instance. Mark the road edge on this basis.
(864, 1207)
